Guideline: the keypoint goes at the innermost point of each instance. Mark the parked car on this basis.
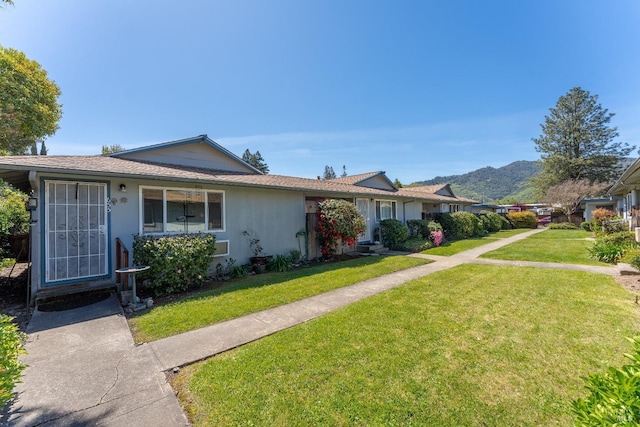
(544, 220)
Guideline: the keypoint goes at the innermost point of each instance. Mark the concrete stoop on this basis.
(627, 269)
(372, 249)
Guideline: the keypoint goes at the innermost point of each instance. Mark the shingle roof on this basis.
(115, 167)
(429, 192)
(352, 179)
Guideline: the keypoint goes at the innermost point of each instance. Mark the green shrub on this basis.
(588, 225)
(612, 247)
(415, 244)
(14, 218)
(632, 256)
(422, 227)
(491, 221)
(177, 262)
(11, 346)
(280, 263)
(606, 252)
(393, 232)
(623, 238)
(506, 224)
(614, 396)
(465, 225)
(563, 226)
(446, 222)
(615, 226)
(526, 219)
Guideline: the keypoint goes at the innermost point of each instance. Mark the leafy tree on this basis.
(568, 194)
(110, 149)
(577, 142)
(329, 173)
(397, 183)
(29, 108)
(256, 160)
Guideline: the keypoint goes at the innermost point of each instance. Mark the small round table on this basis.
(132, 271)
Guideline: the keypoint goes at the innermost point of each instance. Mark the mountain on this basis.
(489, 184)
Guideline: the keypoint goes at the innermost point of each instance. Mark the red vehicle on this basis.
(544, 220)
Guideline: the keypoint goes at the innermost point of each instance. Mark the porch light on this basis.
(31, 207)
(123, 188)
(32, 204)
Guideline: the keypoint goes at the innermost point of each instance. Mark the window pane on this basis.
(152, 210)
(215, 211)
(185, 211)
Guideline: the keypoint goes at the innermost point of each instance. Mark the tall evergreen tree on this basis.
(577, 142)
(256, 160)
(329, 173)
(344, 171)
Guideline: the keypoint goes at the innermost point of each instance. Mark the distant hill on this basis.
(489, 184)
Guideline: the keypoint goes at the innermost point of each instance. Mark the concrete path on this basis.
(84, 368)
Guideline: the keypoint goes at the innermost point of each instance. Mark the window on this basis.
(454, 208)
(222, 248)
(385, 209)
(181, 210)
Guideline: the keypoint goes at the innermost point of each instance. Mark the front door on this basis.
(75, 231)
(363, 209)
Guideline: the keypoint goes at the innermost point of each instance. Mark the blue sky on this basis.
(414, 88)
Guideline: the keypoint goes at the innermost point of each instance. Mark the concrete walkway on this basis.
(84, 368)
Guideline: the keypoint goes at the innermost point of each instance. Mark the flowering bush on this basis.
(338, 221)
(602, 215)
(436, 238)
(177, 262)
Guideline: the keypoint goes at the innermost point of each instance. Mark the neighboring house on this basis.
(628, 188)
(480, 207)
(614, 203)
(87, 203)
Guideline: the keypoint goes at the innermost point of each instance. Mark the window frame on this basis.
(142, 204)
(378, 209)
(454, 207)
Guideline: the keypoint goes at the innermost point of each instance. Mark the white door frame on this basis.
(76, 237)
(364, 209)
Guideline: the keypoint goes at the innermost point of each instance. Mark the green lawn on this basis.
(471, 346)
(452, 248)
(563, 246)
(260, 292)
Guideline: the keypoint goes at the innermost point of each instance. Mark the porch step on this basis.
(50, 294)
(371, 249)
